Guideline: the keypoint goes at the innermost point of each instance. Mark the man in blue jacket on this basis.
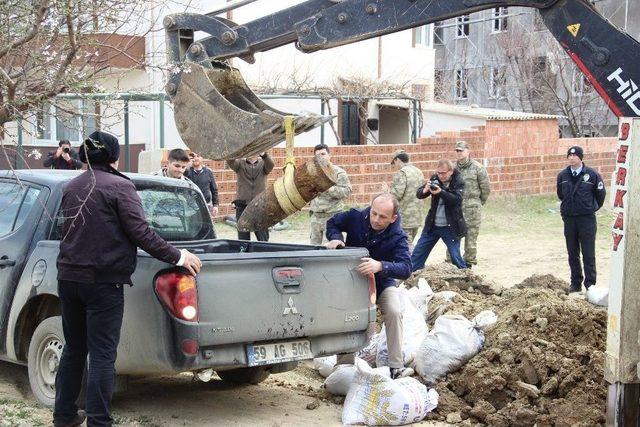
(582, 193)
(378, 229)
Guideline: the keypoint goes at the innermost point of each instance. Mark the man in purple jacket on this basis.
(104, 224)
(378, 229)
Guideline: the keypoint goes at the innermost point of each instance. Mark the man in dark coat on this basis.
(445, 219)
(104, 224)
(203, 177)
(378, 229)
(252, 180)
(64, 157)
(582, 193)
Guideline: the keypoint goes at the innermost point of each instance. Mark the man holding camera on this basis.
(63, 158)
(444, 220)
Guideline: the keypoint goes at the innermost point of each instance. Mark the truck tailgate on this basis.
(251, 297)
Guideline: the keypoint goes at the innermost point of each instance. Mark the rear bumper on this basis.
(235, 355)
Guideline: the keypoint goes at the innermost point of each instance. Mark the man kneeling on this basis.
(377, 228)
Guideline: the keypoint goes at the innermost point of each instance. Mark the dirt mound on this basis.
(544, 281)
(447, 276)
(542, 363)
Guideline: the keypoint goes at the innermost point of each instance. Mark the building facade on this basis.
(505, 58)
(325, 82)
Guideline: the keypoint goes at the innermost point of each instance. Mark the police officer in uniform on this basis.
(405, 184)
(330, 202)
(582, 193)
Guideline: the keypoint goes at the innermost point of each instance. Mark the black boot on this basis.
(575, 288)
(76, 421)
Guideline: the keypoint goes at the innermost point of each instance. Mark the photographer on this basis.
(63, 158)
(444, 220)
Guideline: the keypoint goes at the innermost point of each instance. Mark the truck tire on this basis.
(45, 350)
(252, 375)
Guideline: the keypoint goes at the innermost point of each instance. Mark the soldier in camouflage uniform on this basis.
(327, 204)
(476, 192)
(405, 184)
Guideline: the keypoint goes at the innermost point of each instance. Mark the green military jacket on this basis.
(332, 200)
(476, 183)
(405, 184)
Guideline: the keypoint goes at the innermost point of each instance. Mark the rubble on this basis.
(542, 363)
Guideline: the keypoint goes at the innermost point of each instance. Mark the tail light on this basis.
(372, 290)
(179, 293)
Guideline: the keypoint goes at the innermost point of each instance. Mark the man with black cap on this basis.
(104, 224)
(582, 193)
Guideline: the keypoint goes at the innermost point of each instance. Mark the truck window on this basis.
(176, 213)
(30, 199)
(16, 201)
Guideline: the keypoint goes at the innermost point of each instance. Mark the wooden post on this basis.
(623, 321)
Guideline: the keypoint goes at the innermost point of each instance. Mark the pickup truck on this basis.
(255, 308)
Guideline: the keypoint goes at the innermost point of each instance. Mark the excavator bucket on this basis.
(219, 117)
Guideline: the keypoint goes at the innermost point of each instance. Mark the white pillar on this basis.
(623, 321)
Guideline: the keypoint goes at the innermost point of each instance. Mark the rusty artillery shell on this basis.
(309, 179)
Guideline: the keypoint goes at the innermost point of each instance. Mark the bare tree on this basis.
(529, 73)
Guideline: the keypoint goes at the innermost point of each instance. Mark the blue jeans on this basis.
(428, 240)
(91, 320)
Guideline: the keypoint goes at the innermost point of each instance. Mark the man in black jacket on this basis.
(64, 157)
(445, 219)
(203, 177)
(582, 193)
(104, 223)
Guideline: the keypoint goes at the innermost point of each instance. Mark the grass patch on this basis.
(19, 413)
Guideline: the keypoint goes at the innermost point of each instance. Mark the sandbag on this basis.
(598, 296)
(450, 344)
(375, 399)
(421, 295)
(414, 329)
(324, 365)
(341, 379)
(370, 351)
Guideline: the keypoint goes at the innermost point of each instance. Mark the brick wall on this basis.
(525, 168)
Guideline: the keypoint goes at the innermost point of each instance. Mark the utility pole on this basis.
(623, 322)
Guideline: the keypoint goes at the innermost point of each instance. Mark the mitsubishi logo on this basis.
(291, 309)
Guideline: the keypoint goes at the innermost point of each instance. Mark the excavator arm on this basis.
(218, 115)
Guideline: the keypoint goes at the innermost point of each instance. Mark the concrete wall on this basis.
(437, 122)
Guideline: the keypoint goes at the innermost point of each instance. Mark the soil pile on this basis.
(542, 363)
(544, 281)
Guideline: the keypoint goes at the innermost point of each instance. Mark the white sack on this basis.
(368, 354)
(324, 365)
(377, 400)
(598, 296)
(340, 381)
(450, 344)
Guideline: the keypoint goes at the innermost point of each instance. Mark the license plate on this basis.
(267, 354)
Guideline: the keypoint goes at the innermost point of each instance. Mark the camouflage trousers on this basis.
(473, 218)
(411, 234)
(318, 227)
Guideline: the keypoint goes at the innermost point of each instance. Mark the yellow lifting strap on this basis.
(287, 194)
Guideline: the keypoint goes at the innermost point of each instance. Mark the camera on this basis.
(434, 185)
(66, 149)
